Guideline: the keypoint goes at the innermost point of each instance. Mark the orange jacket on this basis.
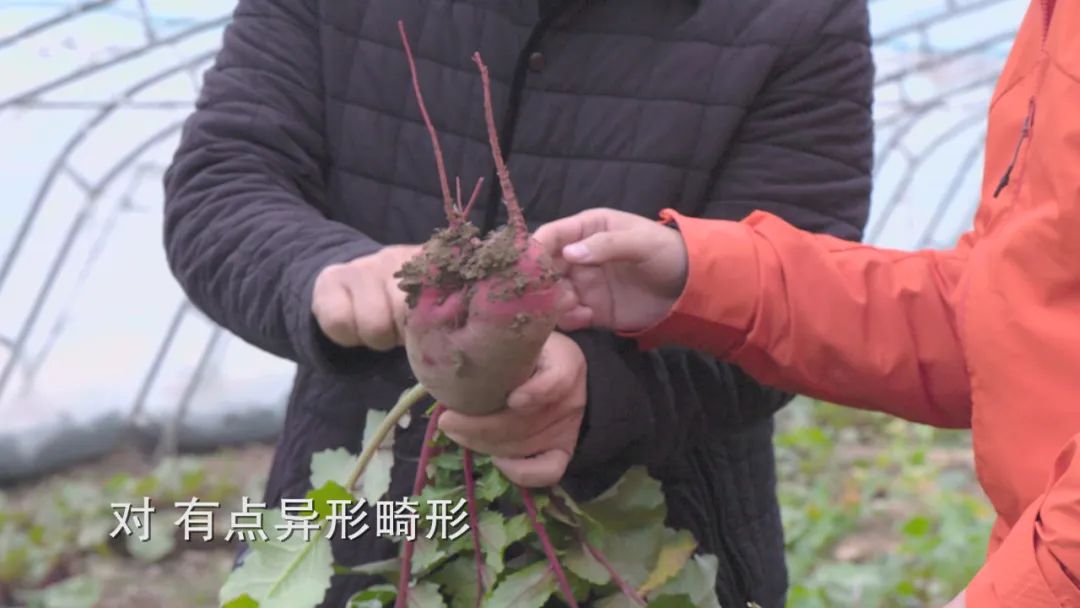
(985, 335)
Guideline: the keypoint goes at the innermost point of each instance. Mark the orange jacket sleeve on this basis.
(824, 317)
(1038, 562)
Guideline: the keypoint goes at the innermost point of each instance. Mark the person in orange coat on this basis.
(986, 335)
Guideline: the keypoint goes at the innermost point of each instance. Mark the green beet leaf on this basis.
(618, 600)
(677, 549)
(517, 528)
(373, 597)
(244, 601)
(376, 480)
(697, 580)
(331, 491)
(491, 485)
(336, 465)
(581, 588)
(672, 601)
(530, 587)
(293, 573)
(425, 595)
(331, 466)
(426, 554)
(581, 562)
(632, 553)
(633, 501)
(387, 568)
(458, 580)
(493, 540)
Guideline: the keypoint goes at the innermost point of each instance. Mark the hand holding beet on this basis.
(533, 439)
(625, 271)
(358, 304)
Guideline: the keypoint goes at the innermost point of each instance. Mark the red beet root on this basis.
(480, 310)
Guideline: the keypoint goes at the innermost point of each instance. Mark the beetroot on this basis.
(479, 312)
(479, 309)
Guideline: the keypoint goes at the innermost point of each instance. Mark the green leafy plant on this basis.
(43, 542)
(877, 511)
(521, 549)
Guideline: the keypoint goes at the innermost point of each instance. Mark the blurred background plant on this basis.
(60, 546)
(877, 511)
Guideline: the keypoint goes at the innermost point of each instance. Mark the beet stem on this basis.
(426, 450)
(549, 549)
(474, 521)
(619, 581)
(472, 199)
(402, 407)
(513, 207)
(405, 575)
(448, 203)
(459, 202)
(626, 588)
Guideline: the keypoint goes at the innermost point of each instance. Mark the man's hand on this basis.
(359, 304)
(625, 271)
(533, 439)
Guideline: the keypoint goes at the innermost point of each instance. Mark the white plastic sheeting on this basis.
(97, 344)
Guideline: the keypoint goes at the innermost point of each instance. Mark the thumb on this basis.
(399, 309)
(332, 307)
(611, 246)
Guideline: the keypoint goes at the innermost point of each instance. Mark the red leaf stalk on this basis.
(549, 549)
(421, 479)
(474, 521)
(472, 199)
(619, 581)
(513, 207)
(448, 201)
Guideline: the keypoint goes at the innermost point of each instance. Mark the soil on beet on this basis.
(442, 263)
(456, 258)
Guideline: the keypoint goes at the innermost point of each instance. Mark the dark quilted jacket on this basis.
(307, 149)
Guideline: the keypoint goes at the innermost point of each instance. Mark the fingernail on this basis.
(576, 251)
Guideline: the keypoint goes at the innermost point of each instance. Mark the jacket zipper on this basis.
(1029, 121)
(1024, 134)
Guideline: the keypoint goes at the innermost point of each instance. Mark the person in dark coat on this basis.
(305, 177)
